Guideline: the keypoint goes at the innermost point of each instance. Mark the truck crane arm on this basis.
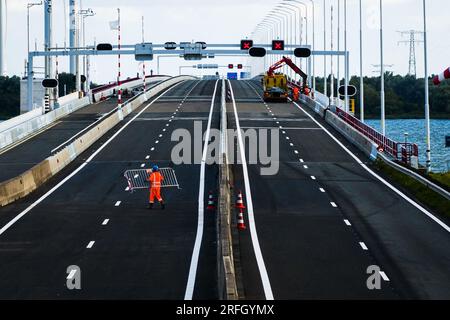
(292, 65)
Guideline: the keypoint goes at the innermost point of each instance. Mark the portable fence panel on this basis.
(138, 178)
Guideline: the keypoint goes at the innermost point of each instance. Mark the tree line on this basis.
(405, 96)
(10, 93)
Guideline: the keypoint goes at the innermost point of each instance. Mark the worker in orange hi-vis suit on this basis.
(155, 180)
(296, 94)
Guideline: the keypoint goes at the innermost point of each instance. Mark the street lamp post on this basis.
(30, 5)
(361, 81)
(325, 84)
(382, 94)
(427, 90)
(84, 14)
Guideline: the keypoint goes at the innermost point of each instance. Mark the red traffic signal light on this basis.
(230, 66)
(246, 44)
(278, 45)
(239, 66)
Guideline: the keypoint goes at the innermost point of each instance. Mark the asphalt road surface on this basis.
(124, 250)
(313, 228)
(322, 220)
(31, 151)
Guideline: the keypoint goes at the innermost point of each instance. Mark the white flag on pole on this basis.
(114, 25)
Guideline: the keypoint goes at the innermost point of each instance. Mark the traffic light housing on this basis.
(278, 45)
(257, 52)
(230, 66)
(239, 66)
(302, 52)
(246, 44)
(49, 83)
(104, 47)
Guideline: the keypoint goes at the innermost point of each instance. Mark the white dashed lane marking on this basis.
(147, 157)
(363, 246)
(152, 149)
(142, 165)
(312, 177)
(305, 166)
(118, 203)
(347, 222)
(105, 222)
(384, 276)
(90, 244)
(333, 204)
(322, 190)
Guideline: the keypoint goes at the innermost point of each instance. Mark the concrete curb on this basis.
(225, 261)
(22, 185)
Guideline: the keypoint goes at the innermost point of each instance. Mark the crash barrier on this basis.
(30, 180)
(111, 89)
(389, 146)
(359, 140)
(138, 178)
(30, 126)
(405, 152)
(415, 176)
(226, 274)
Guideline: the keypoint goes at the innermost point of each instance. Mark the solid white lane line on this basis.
(322, 190)
(384, 276)
(47, 194)
(251, 216)
(90, 245)
(390, 186)
(201, 195)
(347, 222)
(333, 204)
(118, 203)
(105, 222)
(363, 246)
(71, 274)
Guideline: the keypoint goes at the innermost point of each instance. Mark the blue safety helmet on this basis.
(155, 168)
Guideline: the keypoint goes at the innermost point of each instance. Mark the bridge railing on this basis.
(400, 151)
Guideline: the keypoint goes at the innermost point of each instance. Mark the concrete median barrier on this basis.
(22, 185)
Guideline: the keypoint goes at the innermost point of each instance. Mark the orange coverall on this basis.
(155, 186)
(296, 93)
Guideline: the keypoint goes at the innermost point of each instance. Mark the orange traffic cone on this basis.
(211, 205)
(241, 223)
(240, 202)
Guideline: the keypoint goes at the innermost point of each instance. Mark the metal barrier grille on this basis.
(137, 178)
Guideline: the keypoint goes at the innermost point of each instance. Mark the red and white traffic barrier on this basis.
(440, 78)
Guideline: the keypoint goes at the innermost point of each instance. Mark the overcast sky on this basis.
(228, 21)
